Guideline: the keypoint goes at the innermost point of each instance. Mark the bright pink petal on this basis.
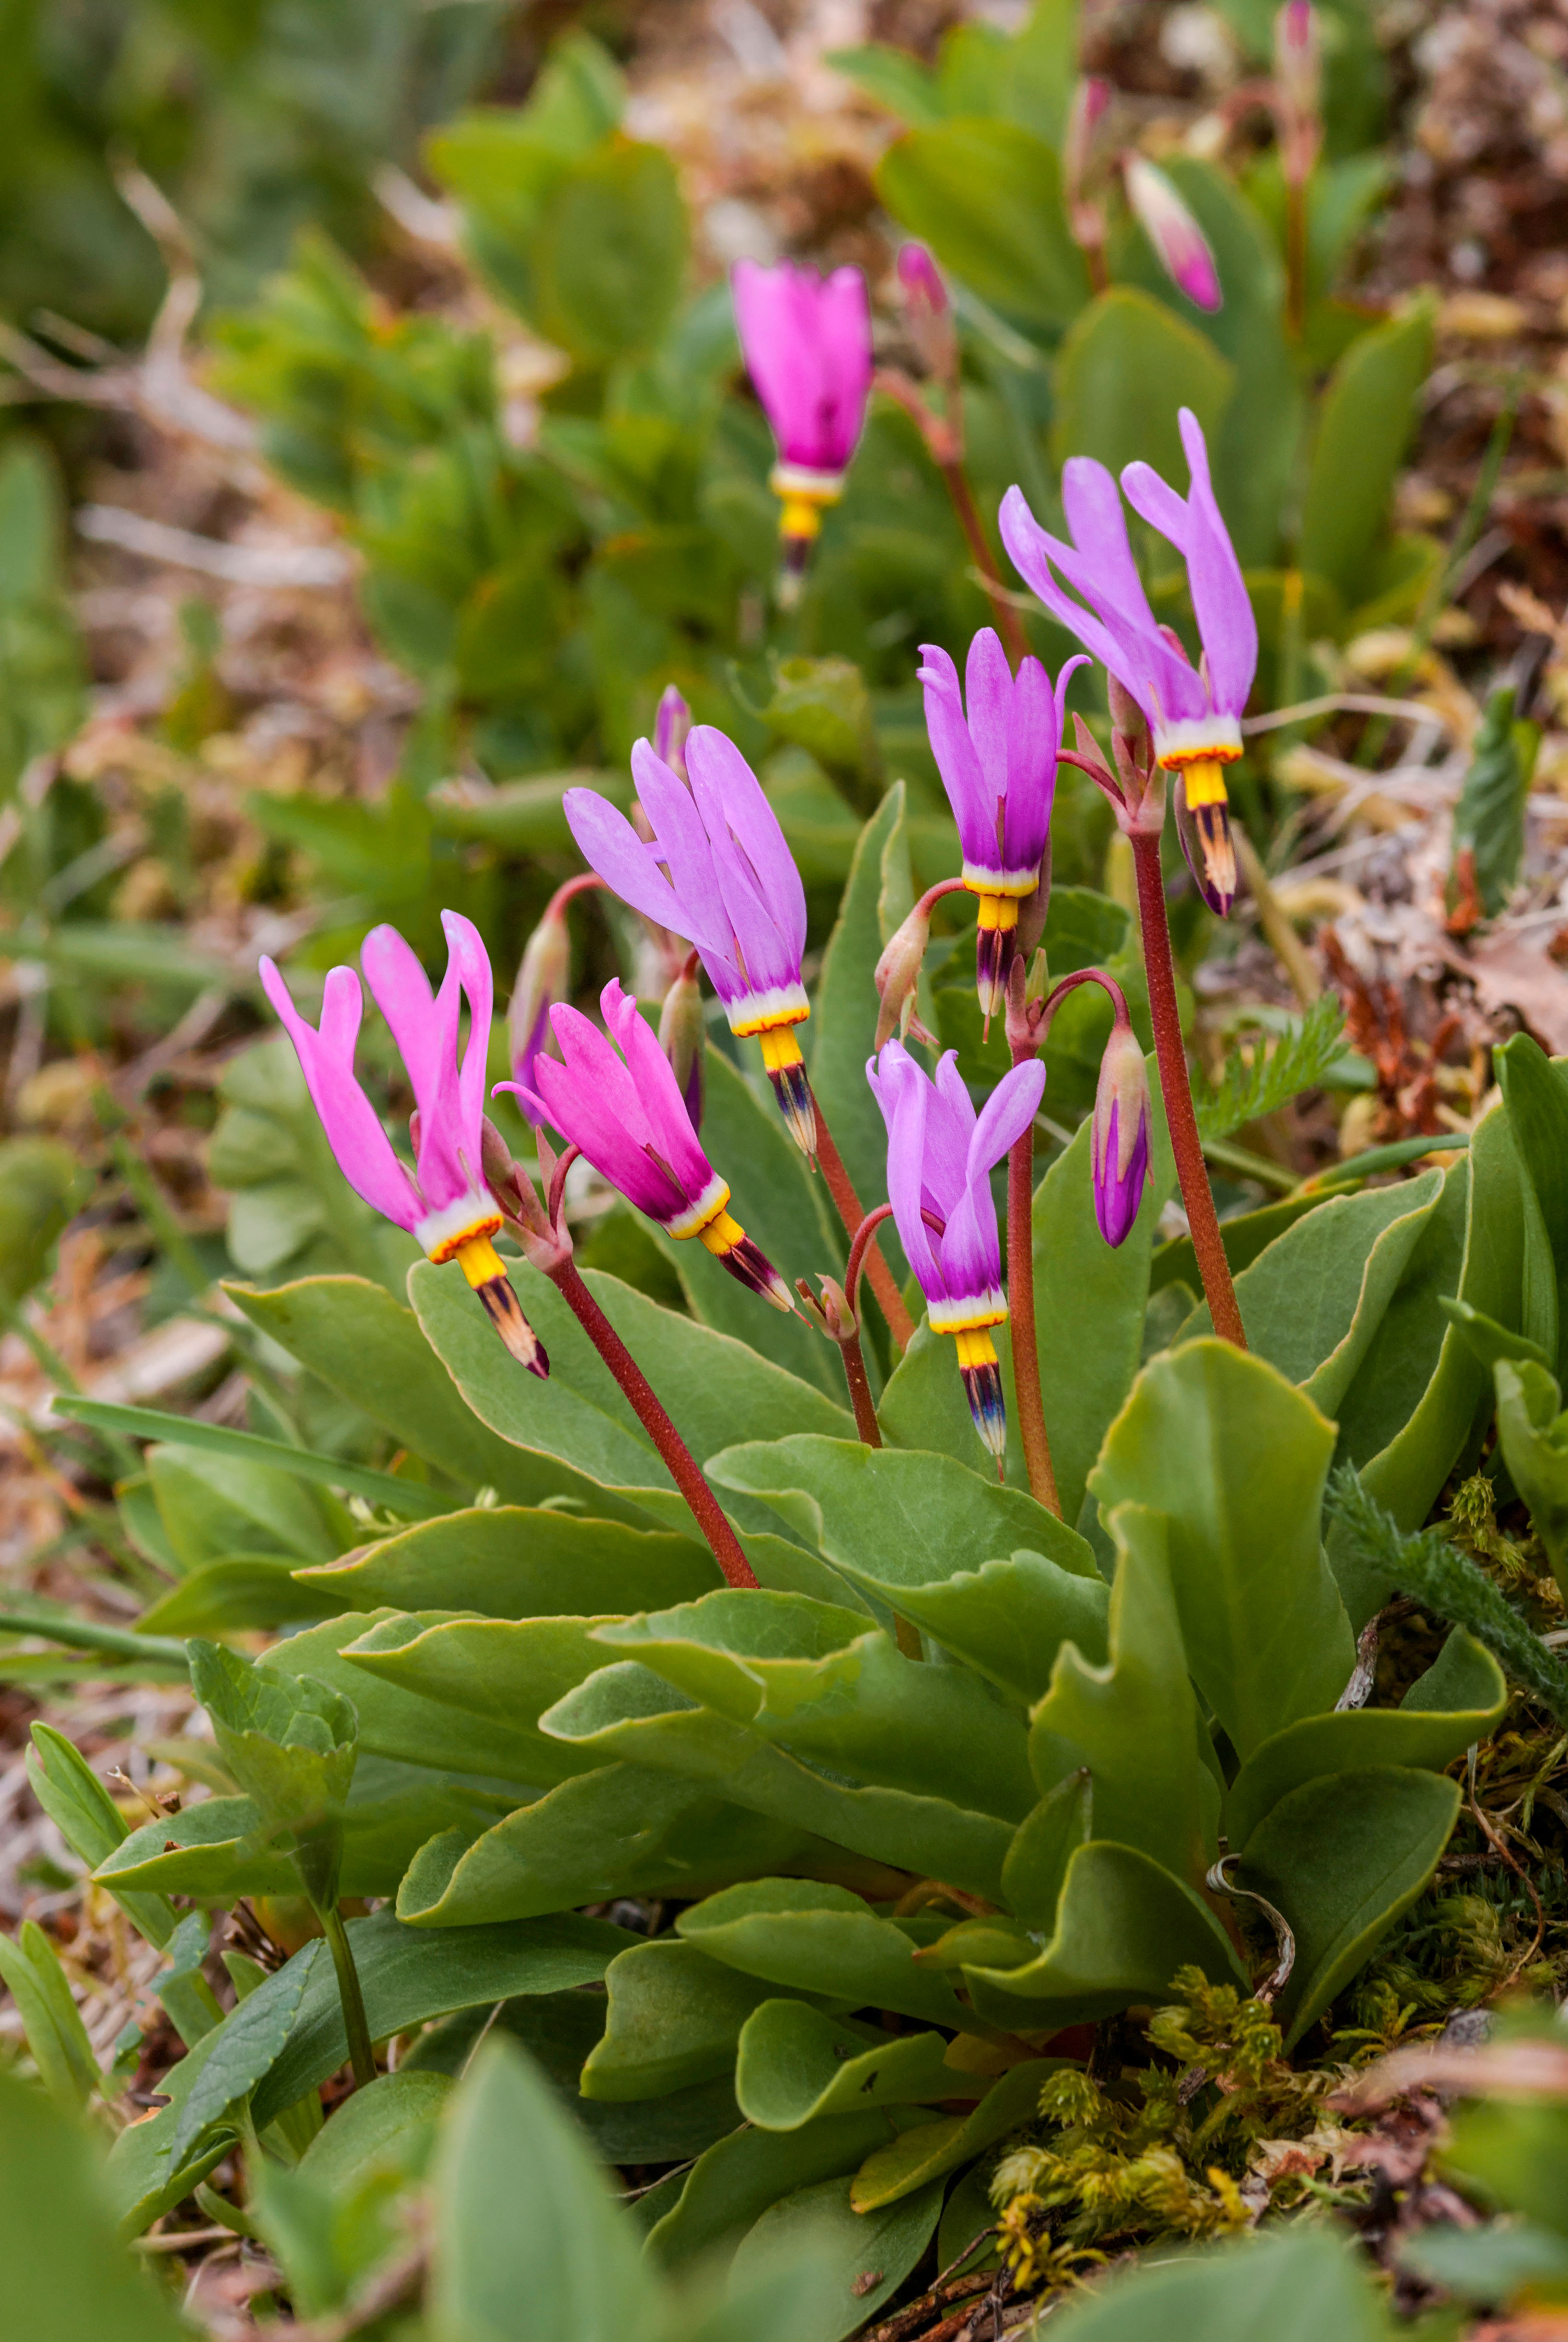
(658, 1092)
(730, 796)
(902, 1091)
(362, 1151)
(962, 776)
(424, 1028)
(988, 702)
(472, 961)
(1221, 602)
(1033, 740)
(1007, 1114)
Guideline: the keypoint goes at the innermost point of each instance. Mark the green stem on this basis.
(355, 2024)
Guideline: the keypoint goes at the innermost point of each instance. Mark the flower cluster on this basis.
(705, 863)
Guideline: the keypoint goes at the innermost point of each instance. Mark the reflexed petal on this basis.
(1220, 598)
(658, 1092)
(592, 1100)
(681, 840)
(609, 845)
(903, 1092)
(972, 1249)
(962, 776)
(1098, 527)
(1033, 738)
(729, 796)
(472, 962)
(360, 1147)
(425, 1030)
(988, 700)
(1006, 1114)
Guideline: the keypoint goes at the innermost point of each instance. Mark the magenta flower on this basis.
(1118, 1139)
(672, 722)
(1180, 244)
(444, 1204)
(625, 1113)
(1193, 713)
(717, 871)
(940, 1157)
(998, 766)
(806, 343)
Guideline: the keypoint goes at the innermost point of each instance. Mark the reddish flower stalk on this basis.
(852, 1213)
(1197, 1195)
(675, 1456)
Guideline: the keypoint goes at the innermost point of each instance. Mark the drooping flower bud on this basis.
(897, 975)
(1180, 244)
(543, 977)
(671, 726)
(1090, 96)
(928, 312)
(1119, 1142)
(683, 1036)
(832, 1315)
(1298, 81)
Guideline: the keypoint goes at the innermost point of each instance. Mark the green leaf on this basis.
(797, 2064)
(1492, 2264)
(1236, 1459)
(89, 1821)
(893, 79)
(1043, 1845)
(212, 1507)
(1125, 368)
(392, 2119)
(1535, 1094)
(66, 2277)
(1510, 2147)
(1367, 418)
(369, 1349)
(1259, 1082)
(1533, 1431)
(818, 1939)
(877, 896)
(1296, 2282)
(1124, 1927)
(815, 1681)
(1419, 1449)
(1459, 1700)
(674, 2018)
(933, 2149)
(609, 252)
(626, 1711)
(868, 2256)
(1489, 818)
(41, 1187)
(714, 1388)
(512, 1562)
(243, 2048)
(779, 1205)
(1313, 1299)
(1133, 1724)
(620, 1829)
(224, 1596)
(1342, 1857)
(986, 196)
(289, 1742)
(30, 1970)
(1090, 1300)
(527, 2240)
(733, 2183)
(186, 1432)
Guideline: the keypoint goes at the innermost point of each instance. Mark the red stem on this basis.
(1010, 625)
(1182, 1123)
(852, 1212)
(860, 1398)
(1021, 1309)
(678, 1458)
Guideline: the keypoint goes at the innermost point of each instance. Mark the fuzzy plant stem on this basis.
(1009, 625)
(852, 1212)
(1197, 1196)
(355, 2024)
(678, 1458)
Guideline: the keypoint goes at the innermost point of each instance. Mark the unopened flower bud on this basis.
(683, 1036)
(671, 726)
(832, 1315)
(1298, 81)
(928, 312)
(542, 979)
(897, 974)
(1127, 715)
(1180, 244)
(1090, 96)
(1119, 1142)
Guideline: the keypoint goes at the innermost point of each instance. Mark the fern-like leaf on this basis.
(1254, 1085)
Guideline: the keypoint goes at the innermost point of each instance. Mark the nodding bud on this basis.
(1035, 908)
(927, 312)
(1298, 80)
(921, 279)
(1127, 715)
(832, 1315)
(897, 976)
(547, 1247)
(1180, 244)
(543, 977)
(671, 726)
(683, 1036)
(1119, 1142)
(1090, 96)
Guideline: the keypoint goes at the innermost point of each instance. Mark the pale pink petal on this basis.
(729, 795)
(963, 776)
(360, 1147)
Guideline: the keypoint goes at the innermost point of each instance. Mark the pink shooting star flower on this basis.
(445, 1205)
(998, 766)
(672, 722)
(1180, 244)
(806, 343)
(1195, 714)
(625, 1113)
(1119, 1140)
(718, 871)
(940, 1157)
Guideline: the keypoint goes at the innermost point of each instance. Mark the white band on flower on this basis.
(753, 1011)
(443, 1233)
(1182, 743)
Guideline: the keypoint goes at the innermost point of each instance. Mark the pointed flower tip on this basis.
(671, 726)
(1179, 242)
(1119, 1141)
(544, 975)
(921, 279)
(897, 973)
